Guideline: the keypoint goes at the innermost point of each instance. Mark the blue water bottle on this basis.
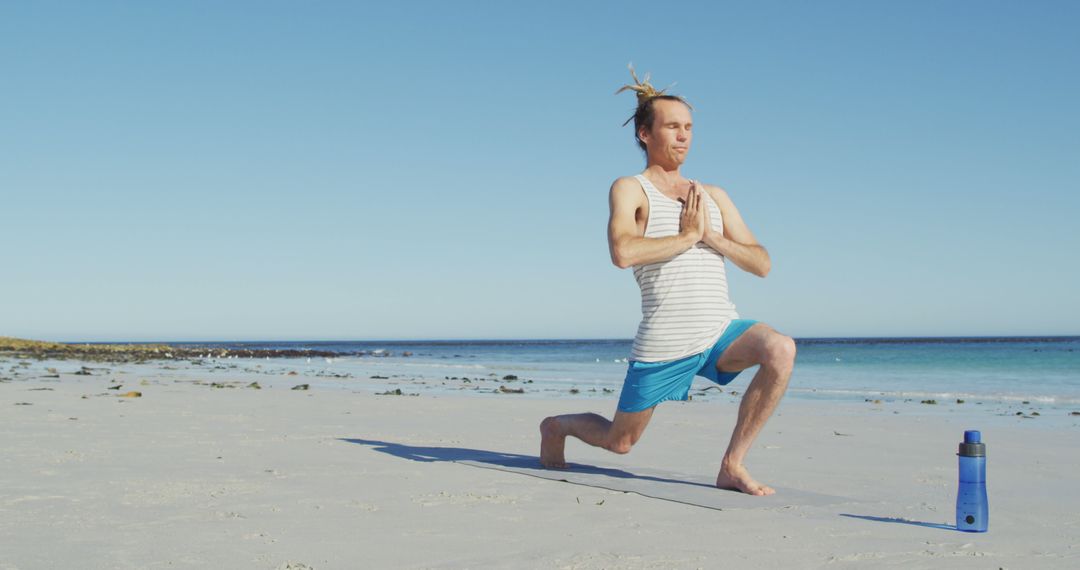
(972, 510)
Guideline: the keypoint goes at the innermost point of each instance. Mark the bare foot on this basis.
(738, 478)
(552, 443)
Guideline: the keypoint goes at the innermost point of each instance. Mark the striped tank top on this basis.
(684, 300)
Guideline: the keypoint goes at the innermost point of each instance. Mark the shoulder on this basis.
(718, 194)
(715, 191)
(627, 188)
(625, 182)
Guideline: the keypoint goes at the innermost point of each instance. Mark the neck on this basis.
(664, 173)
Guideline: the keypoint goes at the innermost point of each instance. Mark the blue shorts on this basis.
(649, 383)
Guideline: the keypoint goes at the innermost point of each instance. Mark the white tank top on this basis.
(684, 300)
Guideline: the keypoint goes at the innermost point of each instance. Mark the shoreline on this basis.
(382, 376)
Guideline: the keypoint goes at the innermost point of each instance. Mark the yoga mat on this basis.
(689, 489)
(695, 490)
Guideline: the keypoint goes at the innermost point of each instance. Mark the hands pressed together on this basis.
(694, 220)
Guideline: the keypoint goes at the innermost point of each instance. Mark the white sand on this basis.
(190, 476)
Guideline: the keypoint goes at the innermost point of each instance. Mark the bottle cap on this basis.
(972, 445)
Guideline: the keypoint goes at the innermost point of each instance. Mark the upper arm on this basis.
(625, 200)
(735, 228)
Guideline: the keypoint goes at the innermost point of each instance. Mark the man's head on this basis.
(662, 127)
(661, 122)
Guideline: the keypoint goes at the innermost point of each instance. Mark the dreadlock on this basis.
(646, 96)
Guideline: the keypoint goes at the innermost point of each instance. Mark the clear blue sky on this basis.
(353, 170)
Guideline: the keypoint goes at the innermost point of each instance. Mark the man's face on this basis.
(669, 140)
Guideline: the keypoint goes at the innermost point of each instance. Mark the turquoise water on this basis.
(1041, 370)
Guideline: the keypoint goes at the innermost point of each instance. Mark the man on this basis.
(688, 327)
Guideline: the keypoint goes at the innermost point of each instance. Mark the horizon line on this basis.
(568, 339)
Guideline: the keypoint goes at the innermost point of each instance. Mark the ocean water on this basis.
(1043, 371)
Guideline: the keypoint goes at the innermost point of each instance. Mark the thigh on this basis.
(747, 350)
(630, 424)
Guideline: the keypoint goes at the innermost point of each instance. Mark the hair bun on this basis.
(643, 88)
(645, 91)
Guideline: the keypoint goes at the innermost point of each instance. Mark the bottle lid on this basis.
(972, 445)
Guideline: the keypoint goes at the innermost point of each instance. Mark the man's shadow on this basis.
(510, 462)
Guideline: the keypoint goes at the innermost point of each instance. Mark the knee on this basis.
(620, 445)
(781, 350)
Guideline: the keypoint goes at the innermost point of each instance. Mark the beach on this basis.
(211, 470)
(294, 286)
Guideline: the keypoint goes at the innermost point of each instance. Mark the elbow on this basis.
(619, 258)
(764, 269)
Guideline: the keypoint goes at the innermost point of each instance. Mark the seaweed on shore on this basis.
(139, 353)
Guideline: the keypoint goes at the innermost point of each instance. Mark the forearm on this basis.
(750, 258)
(643, 250)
